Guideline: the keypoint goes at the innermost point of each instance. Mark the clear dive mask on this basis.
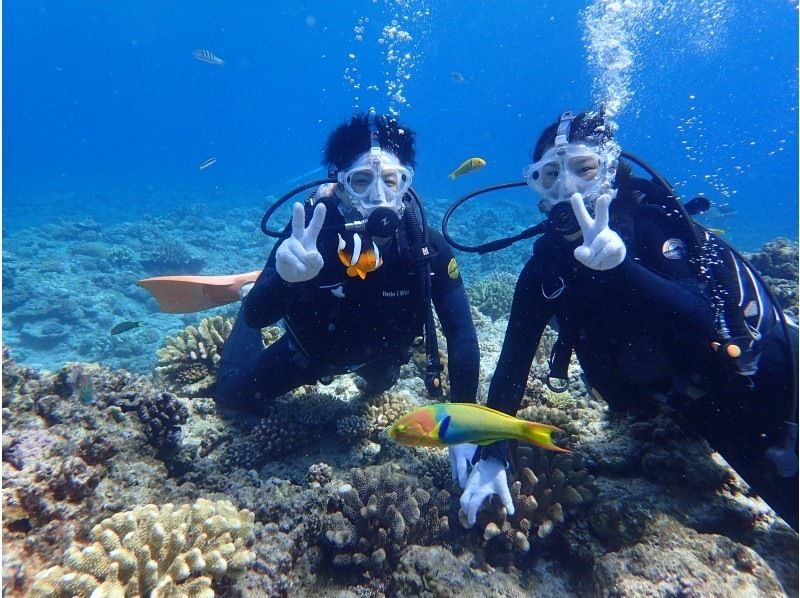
(376, 179)
(567, 169)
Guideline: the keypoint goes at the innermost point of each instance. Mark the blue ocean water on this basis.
(107, 114)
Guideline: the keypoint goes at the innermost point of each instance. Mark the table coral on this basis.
(155, 551)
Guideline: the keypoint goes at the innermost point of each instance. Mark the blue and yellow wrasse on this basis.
(469, 165)
(446, 424)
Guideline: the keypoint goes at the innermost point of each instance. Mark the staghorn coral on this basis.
(548, 487)
(493, 294)
(380, 513)
(155, 551)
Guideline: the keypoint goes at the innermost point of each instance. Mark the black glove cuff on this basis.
(499, 450)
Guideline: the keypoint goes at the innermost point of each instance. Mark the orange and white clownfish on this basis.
(360, 257)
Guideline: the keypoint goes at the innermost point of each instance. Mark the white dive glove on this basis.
(602, 248)
(461, 461)
(297, 258)
(488, 477)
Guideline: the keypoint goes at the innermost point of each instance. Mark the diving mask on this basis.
(376, 179)
(567, 169)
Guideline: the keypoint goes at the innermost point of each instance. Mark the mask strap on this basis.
(562, 134)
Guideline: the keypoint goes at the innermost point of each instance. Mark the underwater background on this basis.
(127, 156)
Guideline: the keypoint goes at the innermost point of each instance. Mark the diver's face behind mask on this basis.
(572, 168)
(376, 179)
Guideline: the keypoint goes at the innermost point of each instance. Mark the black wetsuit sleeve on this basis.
(269, 299)
(452, 307)
(670, 286)
(690, 311)
(530, 313)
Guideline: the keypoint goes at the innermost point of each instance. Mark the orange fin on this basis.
(186, 294)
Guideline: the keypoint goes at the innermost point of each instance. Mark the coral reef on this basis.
(188, 362)
(777, 262)
(493, 294)
(683, 562)
(548, 488)
(380, 513)
(156, 551)
(169, 258)
(275, 435)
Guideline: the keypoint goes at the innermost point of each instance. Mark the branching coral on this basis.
(155, 551)
(189, 361)
(275, 434)
(548, 487)
(382, 512)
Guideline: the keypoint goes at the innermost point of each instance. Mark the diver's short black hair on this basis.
(351, 139)
(586, 126)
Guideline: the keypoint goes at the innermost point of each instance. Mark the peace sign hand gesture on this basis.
(602, 248)
(297, 258)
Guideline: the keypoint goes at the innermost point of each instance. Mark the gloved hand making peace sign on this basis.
(297, 258)
(602, 248)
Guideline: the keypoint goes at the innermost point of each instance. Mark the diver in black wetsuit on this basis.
(352, 300)
(653, 306)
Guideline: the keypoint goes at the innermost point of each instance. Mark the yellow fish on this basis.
(446, 424)
(358, 259)
(470, 165)
(717, 231)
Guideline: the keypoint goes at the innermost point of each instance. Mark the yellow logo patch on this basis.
(452, 269)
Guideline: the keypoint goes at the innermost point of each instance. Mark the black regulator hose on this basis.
(491, 245)
(279, 234)
(417, 227)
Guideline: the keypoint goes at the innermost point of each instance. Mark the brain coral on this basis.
(155, 551)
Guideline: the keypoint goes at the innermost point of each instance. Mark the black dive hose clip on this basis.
(433, 379)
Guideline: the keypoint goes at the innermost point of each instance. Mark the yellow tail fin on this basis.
(541, 435)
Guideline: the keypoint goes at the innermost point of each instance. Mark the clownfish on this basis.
(358, 259)
(446, 424)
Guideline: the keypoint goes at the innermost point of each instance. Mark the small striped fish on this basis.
(208, 56)
(206, 163)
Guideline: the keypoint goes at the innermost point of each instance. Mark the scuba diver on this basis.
(353, 279)
(652, 304)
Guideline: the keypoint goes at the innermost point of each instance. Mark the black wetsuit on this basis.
(644, 329)
(337, 324)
